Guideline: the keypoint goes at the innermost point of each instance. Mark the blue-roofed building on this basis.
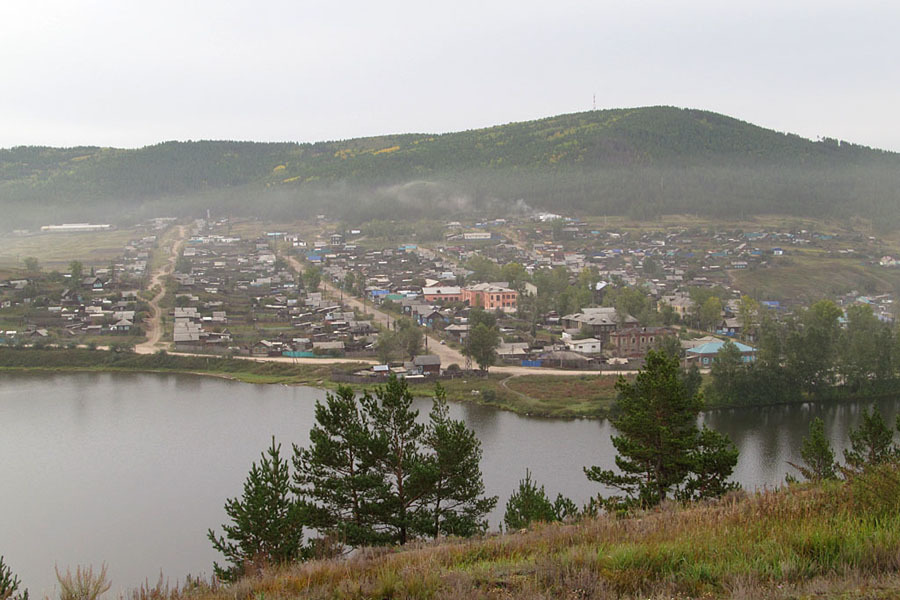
(705, 355)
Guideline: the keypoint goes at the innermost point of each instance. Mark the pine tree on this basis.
(713, 459)
(266, 528)
(398, 456)
(817, 455)
(871, 443)
(454, 503)
(528, 504)
(659, 446)
(9, 584)
(335, 477)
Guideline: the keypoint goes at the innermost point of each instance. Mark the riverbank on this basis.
(83, 360)
(576, 396)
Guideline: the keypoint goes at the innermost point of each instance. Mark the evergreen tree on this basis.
(817, 455)
(530, 504)
(335, 477)
(658, 444)
(266, 527)
(9, 584)
(872, 443)
(398, 457)
(455, 503)
(714, 457)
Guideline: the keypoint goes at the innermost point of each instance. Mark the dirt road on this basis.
(449, 355)
(154, 323)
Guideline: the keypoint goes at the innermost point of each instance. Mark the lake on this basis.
(132, 469)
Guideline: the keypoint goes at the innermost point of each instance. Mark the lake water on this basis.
(132, 469)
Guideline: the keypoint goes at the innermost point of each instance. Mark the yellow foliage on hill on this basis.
(386, 150)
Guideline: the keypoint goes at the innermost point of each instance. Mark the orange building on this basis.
(490, 297)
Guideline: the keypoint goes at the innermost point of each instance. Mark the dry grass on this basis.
(83, 585)
(801, 542)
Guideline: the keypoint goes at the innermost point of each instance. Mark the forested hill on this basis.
(639, 162)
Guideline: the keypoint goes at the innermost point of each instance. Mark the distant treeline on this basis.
(637, 162)
(812, 356)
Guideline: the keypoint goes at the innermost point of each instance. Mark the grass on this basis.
(60, 360)
(810, 276)
(567, 396)
(55, 251)
(549, 396)
(826, 540)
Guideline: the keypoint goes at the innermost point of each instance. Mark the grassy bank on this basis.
(564, 397)
(832, 540)
(539, 395)
(249, 371)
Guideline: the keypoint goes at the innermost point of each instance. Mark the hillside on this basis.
(638, 162)
(834, 540)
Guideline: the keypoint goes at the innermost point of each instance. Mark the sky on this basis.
(127, 73)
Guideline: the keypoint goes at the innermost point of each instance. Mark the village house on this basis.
(705, 354)
(634, 342)
(427, 364)
(598, 322)
(585, 346)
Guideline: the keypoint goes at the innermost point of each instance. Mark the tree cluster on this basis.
(371, 475)
(812, 354)
(871, 445)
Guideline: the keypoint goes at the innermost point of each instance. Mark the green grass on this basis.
(55, 251)
(832, 540)
(566, 396)
(811, 276)
(99, 360)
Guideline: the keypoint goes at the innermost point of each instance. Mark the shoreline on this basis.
(490, 391)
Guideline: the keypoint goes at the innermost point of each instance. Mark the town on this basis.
(557, 292)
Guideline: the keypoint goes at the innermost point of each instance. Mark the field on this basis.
(810, 276)
(55, 251)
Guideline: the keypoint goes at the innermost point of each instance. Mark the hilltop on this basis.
(639, 162)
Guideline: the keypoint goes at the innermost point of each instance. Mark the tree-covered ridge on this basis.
(601, 162)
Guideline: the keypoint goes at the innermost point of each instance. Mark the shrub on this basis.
(84, 585)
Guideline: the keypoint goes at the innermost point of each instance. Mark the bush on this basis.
(84, 585)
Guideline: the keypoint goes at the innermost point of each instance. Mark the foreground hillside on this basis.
(838, 540)
(637, 161)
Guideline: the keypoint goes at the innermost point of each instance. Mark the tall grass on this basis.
(84, 585)
(813, 540)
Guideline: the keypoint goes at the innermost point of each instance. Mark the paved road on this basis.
(154, 323)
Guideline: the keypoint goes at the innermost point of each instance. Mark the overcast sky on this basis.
(128, 73)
